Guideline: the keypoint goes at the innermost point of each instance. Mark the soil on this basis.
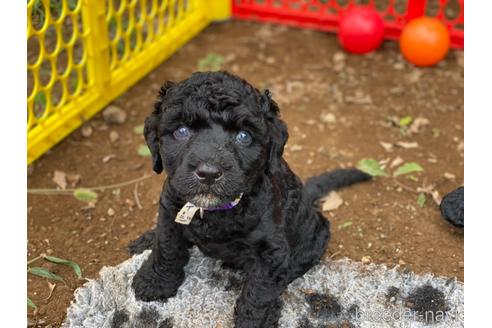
(338, 108)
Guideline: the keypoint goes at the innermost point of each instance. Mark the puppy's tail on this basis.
(318, 186)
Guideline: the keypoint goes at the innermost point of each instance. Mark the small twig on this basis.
(35, 259)
(407, 188)
(429, 190)
(48, 191)
(335, 254)
(135, 194)
(440, 182)
(85, 143)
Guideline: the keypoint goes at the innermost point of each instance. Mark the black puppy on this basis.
(220, 141)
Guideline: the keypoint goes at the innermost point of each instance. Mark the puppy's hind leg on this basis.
(308, 252)
(142, 243)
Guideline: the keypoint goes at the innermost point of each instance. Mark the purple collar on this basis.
(224, 207)
(186, 213)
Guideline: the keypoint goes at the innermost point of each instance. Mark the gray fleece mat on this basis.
(338, 293)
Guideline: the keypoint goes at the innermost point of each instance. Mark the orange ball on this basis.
(424, 41)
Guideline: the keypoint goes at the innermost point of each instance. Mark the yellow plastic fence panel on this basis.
(82, 54)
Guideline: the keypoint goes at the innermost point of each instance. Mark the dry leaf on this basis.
(89, 206)
(108, 158)
(52, 288)
(331, 202)
(417, 124)
(387, 146)
(407, 145)
(384, 161)
(431, 191)
(60, 178)
(391, 121)
(328, 118)
(397, 161)
(296, 148)
(449, 176)
(436, 197)
(74, 179)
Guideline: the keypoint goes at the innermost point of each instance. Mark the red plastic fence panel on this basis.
(324, 14)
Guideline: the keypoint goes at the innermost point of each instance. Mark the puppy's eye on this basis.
(244, 138)
(182, 133)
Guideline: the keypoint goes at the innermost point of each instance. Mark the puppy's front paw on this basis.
(148, 286)
(249, 316)
(248, 323)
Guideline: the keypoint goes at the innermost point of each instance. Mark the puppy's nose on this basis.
(207, 173)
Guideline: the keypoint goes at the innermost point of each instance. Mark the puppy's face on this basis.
(215, 135)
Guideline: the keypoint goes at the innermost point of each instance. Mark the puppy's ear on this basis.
(151, 134)
(151, 128)
(278, 131)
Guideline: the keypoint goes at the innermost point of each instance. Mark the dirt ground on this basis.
(339, 108)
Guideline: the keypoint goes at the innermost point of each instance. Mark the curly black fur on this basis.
(274, 234)
(453, 207)
(143, 242)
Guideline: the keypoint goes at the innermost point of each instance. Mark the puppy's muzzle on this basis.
(208, 173)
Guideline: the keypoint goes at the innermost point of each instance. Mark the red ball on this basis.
(361, 30)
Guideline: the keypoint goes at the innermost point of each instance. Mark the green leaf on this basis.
(85, 195)
(143, 151)
(371, 167)
(139, 129)
(213, 62)
(421, 199)
(72, 264)
(72, 4)
(42, 272)
(408, 168)
(403, 130)
(344, 225)
(405, 121)
(40, 99)
(413, 178)
(74, 82)
(31, 303)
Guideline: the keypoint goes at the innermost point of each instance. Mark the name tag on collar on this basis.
(185, 215)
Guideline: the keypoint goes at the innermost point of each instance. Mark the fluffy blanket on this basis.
(338, 293)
